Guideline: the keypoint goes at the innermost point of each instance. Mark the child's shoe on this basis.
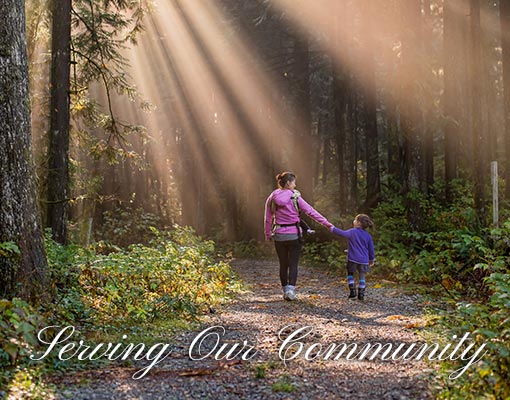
(352, 294)
(361, 294)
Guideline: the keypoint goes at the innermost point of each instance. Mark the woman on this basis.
(282, 224)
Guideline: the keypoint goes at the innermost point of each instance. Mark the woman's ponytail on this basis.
(283, 178)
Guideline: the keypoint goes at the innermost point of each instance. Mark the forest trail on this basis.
(257, 315)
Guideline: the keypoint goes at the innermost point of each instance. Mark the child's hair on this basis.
(364, 221)
(283, 178)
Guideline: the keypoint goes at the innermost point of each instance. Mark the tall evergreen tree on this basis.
(23, 273)
(451, 56)
(370, 103)
(58, 143)
(480, 166)
(303, 130)
(411, 114)
(505, 45)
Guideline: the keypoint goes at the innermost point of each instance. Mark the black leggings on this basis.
(288, 253)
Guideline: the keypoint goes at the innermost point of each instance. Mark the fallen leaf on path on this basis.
(197, 372)
(394, 317)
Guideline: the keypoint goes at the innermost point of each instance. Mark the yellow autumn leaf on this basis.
(484, 372)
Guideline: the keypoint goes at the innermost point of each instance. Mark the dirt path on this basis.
(386, 316)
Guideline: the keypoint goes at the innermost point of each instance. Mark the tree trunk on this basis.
(339, 93)
(370, 105)
(352, 146)
(451, 58)
(344, 107)
(489, 105)
(394, 153)
(58, 146)
(24, 274)
(326, 156)
(505, 45)
(303, 136)
(411, 114)
(480, 165)
(428, 132)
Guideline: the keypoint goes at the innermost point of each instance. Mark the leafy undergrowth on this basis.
(146, 292)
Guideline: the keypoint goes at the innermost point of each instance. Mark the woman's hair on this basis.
(283, 178)
(364, 221)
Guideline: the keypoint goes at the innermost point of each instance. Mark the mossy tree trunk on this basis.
(22, 274)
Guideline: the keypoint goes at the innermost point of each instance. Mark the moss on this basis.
(5, 50)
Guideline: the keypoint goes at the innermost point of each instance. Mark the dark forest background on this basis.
(378, 99)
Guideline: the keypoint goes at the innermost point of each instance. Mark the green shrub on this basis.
(175, 276)
(19, 325)
(284, 384)
(127, 225)
(250, 249)
(489, 322)
(325, 253)
(103, 289)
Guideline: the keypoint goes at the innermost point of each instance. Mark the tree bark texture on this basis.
(303, 136)
(370, 104)
(58, 146)
(505, 45)
(480, 165)
(427, 37)
(451, 58)
(24, 274)
(411, 114)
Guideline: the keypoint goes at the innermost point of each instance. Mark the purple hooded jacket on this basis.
(286, 213)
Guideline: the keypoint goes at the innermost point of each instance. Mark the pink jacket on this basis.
(286, 213)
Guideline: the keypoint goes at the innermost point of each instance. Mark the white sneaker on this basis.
(286, 292)
(291, 294)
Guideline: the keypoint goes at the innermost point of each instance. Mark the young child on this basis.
(360, 253)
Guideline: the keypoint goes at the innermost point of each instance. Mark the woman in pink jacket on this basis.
(282, 224)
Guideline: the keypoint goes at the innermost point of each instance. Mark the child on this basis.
(360, 253)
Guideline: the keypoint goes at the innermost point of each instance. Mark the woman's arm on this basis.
(268, 218)
(312, 213)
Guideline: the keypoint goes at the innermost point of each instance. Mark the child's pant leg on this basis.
(351, 270)
(362, 276)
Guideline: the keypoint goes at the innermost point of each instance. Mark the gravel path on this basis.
(257, 316)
